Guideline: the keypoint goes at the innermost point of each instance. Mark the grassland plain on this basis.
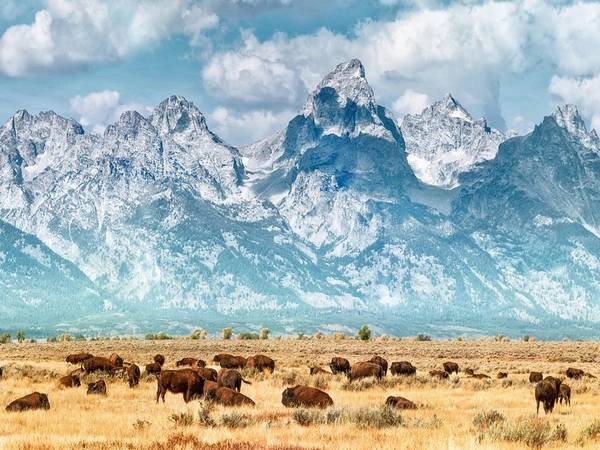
(458, 413)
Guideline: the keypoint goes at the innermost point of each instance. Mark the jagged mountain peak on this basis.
(449, 106)
(23, 120)
(568, 117)
(176, 114)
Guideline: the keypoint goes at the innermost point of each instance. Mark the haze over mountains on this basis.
(439, 224)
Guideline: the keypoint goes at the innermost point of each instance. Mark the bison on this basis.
(402, 368)
(231, 378)
(535, 377)
(305, 396)
(546, 391)
(228, 397)
(399, 403)
(339, 365)
(381, 361)
(469, 371)
(160, 359)
(260, 363)
(153, 368)
(227, 361)
(185, 381)
(190, 362)
(480, 376)
(36, 400)
(502, 375)
(78, 358)
(116, 360)
(97, 388)
(207, 373)
(1, 373)
(450, 367)
(318, 371)
(364, 370)
(70, 381)
(133, 375)
(209, 386)
(438, 374)
(564, 393)
(99, 364)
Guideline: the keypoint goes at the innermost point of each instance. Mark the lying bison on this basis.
(133, 375)
(576, 374)
(364, 370)
(339, 365)
(185, 381)
(99, 364)
(190, 362)
(564, 393)
(480, 376)
(78, 358)
(70, 381)
(227, 361)
(35, 400)
(160, 359)
(535, 377)
(469, 371)
(228, 397)
(502, 375)
(97, 388)
(381, 361)
(399, 403)
(207, 373)
(438, 374)
(450, 367)
(546, 392)
(231, 378)
(305, 396)
(153, 368)
(260, 363)
(402, 368)
(318, 371)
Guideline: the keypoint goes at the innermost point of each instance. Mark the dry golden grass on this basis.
(129, 418)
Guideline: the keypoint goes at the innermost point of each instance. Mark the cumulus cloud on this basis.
(410, 102)
(583, 92)
(96, 110)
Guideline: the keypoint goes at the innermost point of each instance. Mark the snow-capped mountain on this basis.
(159, 223)
(444, 141)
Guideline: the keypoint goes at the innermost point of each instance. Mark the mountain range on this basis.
(439, 224)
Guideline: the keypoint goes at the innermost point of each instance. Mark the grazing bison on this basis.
(339, 365)
(116, 360)
(227, 361)
(576, 374)
(99, 364)
(402, 368)
(381, 361)
(209, 386)
(318, 371)
(450, 367)
(97, 388)
(153, 368)
(399, 403)
(133, 375)
(438, 374)
(502, 375)
(70, 381)
(78, 358)
(228, 397)
(207, 373)
(185, 381)
(564, 393)
(260, 363)
(546, 391)
(35, 400)
(231, 378)
(190, 362)
(364, 370)
(305, 396)
(535, 377)
(160, 359)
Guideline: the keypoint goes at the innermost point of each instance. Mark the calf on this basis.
(70, 381)
(231, 378)
(228, 397)
(564, 393)
(97, 388)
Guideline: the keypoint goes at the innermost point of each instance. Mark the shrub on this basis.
(5, 338)
(20, 336)
(235, 420)
(198, 334)
(486, 419)
(205, 415)
(248, 336)
(364, 333)
(423, 338)
(301, 336)
(500, 338)
(307, 417)
(592, 431)
(184, 419)
(526, 338)
(162, 336)
(141, 424)
(381, 417)
(339, 336)
(80, 338)
(534, 432)
(227, 333)
(52, 339)
(318, 335)
(264, 333)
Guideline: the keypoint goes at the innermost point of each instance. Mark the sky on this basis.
(249, 64)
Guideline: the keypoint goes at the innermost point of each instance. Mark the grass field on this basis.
(450, 413)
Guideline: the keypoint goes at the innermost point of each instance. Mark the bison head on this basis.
(287, 397)
(44, 401)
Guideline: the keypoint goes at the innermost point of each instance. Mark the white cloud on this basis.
(410, 102)
(73, 33)
(583, 92)
(96, 110)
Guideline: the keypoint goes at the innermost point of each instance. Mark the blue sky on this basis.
(249, 64)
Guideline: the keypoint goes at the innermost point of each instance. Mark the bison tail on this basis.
(247, 382)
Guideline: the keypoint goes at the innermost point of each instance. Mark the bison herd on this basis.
(194, 380)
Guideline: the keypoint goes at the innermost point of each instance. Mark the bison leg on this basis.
(537, 410)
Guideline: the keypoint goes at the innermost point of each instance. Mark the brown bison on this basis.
(78, 358)
(160, 359)
(185, 381)
(153, 368)
(450, 367)
(1, 372)
(35, 400)
(260, 363)
(116, 360)
(399, 403)
(480, 376)
(207, 373)
(364, 370)
(227, 361)
(502, 375)
(209, 386)
(70, 381)
(339, 365)
(231, 378)
(402, 368)
(228, 397)
(190, 362)
(133, 375)
(305, 396)
(381, 361)
(99, 364)
(97, 388)
(535, 377)
(564, 393)
(546, 391)
(438, 374)
(574, 373)
(318, 371)
(469, 371)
